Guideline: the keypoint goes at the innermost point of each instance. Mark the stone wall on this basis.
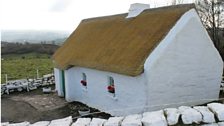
(210, 115)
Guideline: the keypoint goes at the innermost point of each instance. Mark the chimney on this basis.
(136, 8)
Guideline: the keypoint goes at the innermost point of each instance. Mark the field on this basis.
(20, 66)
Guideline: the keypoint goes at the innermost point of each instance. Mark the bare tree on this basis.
(212, 17)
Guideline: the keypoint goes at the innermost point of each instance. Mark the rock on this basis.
(211, 124)
(172, 115)
(20, 124)
(97, 122)
(221, 123)
(132, 120)
(114, 121)
(61, 122)
(41, 123)
(46, 89)
(217, 109)
(155, 118)
(181, 109)
(4, 123)
(82, 122)
(207, 115)
(190, 115)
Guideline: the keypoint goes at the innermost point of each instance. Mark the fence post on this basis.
(37, 73)
(6, 78)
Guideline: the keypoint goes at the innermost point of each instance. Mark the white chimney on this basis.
(136, 8)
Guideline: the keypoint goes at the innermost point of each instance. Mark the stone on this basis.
(132, 120)
(155, 118)
(217, 109)
(172, 115)
(114, 121)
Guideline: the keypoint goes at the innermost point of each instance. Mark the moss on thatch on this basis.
(116, 44)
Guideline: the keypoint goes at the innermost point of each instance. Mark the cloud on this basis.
(60, 5)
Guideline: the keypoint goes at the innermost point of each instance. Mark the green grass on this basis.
(21, 66)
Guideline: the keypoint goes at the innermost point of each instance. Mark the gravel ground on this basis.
(36, 106)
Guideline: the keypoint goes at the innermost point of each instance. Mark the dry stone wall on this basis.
(210, 115)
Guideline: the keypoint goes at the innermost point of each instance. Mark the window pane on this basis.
(111, 81)
(84, 76)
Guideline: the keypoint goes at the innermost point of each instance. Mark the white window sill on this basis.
(84, 89)
(111, 95)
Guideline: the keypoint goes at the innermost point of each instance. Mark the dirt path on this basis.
(18, 111)
(32, 106)
(35, 106)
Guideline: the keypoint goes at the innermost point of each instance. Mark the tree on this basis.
(211, 13)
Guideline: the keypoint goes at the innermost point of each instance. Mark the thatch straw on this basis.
(116, 44)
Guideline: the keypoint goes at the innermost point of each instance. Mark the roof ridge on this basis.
(192, 5)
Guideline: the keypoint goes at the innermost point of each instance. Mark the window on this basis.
(84, 76)
(110, 87)
(83, 81)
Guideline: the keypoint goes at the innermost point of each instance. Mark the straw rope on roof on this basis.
(117, 44)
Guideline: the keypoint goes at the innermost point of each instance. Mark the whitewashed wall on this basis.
(129, 91)
(58, 81)
(185, 67)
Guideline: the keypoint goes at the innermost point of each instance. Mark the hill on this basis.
(33, 36)
(20, 48)
(21, 61)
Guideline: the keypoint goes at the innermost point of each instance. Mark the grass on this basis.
(21, 66)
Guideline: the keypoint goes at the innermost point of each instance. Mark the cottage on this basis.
(139, 61)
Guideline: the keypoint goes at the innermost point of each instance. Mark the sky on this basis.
(63, 15)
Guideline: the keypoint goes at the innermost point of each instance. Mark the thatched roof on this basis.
(117, 44)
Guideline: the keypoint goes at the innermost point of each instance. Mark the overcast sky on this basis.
(61, 14)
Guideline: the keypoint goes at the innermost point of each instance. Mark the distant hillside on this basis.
(32, 36)
(20, 48)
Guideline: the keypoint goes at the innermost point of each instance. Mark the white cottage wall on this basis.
(185, 68)
(130, 92)
(58, 81)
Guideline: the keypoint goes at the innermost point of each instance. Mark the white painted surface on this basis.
(172, 115)
(221, 123)
(82, 122)
(61, 122)
(155, 118)
(190, 115)
(4, 123)
(207, 115)
(46, 89)
(20, 124)
(130, 96)
(132, 120)
(180, 71)
(41, 123)
(184, 66)
(97, 122)
(58, 81)
(114, 121)
(136, 9)
(218, 109)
